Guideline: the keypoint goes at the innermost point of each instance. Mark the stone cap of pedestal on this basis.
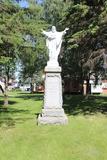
(53, 69)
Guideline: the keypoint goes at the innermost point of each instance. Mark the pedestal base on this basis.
(52, 120)
(52, 116)
(52, 112)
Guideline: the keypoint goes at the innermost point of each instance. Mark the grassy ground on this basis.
(84, 138)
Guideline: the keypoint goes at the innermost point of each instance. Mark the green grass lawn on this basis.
(84, 138)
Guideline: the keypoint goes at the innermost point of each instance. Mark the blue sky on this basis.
(24, 3)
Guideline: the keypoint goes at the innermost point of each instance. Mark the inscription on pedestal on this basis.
(52, 91)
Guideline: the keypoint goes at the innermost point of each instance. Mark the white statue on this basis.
(53, 43)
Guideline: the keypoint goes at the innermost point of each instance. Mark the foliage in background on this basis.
(83, 46)
(86, 40)
(21, 38)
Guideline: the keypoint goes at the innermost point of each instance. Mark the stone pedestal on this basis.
(52, 112)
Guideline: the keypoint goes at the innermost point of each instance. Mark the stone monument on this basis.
(52, 112)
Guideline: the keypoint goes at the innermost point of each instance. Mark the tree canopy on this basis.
(83, 47)
(86, 41)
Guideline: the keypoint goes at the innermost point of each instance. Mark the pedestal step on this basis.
(53, 112)
(53, 120)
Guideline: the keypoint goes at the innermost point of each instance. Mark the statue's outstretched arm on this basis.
(65, 30)
(48, 34)
(44, 32)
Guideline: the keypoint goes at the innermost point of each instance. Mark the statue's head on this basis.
(53, 29)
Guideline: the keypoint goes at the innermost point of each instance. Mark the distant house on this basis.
(100, 87)
(72, 86)
(76, 86)
(95, 88)
(104, 86)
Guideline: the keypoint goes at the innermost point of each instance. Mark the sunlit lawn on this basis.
(84, 138)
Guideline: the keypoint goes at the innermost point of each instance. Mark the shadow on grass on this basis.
(10, 102)
(13, 110)
(10, 116)
(9, 122)
(26, 96)
(77, 104)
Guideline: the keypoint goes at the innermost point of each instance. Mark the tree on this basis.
(9, 39)
(17, 25)
(33, 52)
(54, 11)
(86, 41)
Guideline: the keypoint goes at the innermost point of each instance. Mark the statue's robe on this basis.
(53, 43)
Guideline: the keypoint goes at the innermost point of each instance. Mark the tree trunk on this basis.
(5, 101)
(85, 88)
(32, 85)
(5, 93)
